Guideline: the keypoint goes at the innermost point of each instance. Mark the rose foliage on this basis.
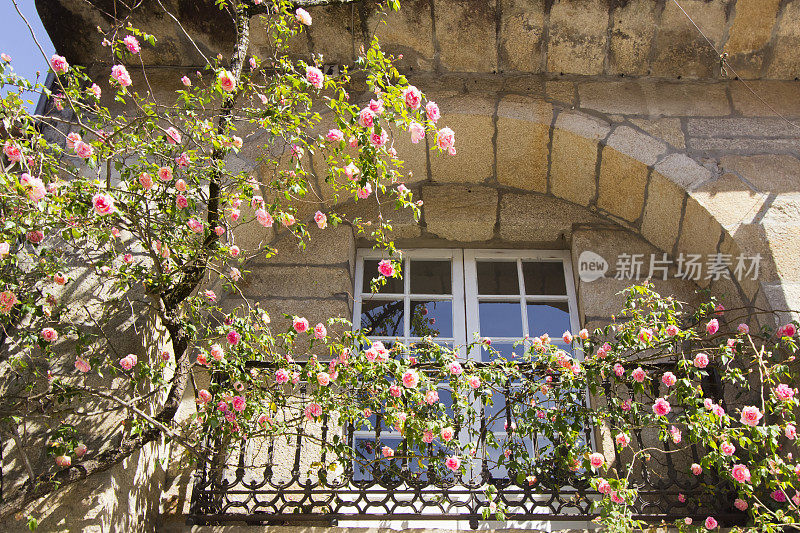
(121, 211)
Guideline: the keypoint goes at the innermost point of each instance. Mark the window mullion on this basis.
(407, 300)
(522, 300)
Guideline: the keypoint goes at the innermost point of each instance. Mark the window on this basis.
(455, 295)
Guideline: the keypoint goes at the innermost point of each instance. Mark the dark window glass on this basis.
(393, 285)
(431, 318)
(382, 318)
(544, 278)
(431, 277)
(498, 277)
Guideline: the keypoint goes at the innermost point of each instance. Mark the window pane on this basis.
(393, 285)
(550, 318)
(382, 318)
(544, 278)
(497, 277)
(433, 319)
(500, 319)
(431, 277)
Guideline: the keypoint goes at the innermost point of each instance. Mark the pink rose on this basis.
(778, 495)
(49, 335)
(597, 460)
(410, 379)
(219, 230)
(395, 391)
(264, 218)
(63, 461)
(645, 335)
(376, 106)
(618, 370)
(126, 362)
(583, 334)
(186, 81)
(446, 140)
(103, 204)
(378, 140)
(35, 236)
(132, 43)
(5, 248)
(366, 118)
(195, 225)
(744, 329)
(417, 131)
(675, 433)
(567, 337)
(672, 330)
(59, 64)
(234, 251)
(239, 403)
(82, 365)
(364, 192)
(432, 112)
(474, 382)
(712, 326)
(787, 331)
(13, 152)
(727, 448)
(696, 469)
(751, 415)
(84, 150)
(202, 359)
(447, 434)
(627, 405)
(226, 81)
(80, 450)
(181, 185)
(386, 268)
(287, 219)
(784, 392)
(740, 504)
(741, 473)
(5, 57)
(146, 180)
(120, 73)
(173, 135)
(790, 432)
(335, 135)
(427, 436)
(300, 324)
(315, 77)
(165, 174)
(622, 439)
(639, 374)
(455, 368)
(669, 379)
(711, 523)
(281, 376)
(320, 331)
(603, 486)
(453, 462)
(233, 337)
(412, 96)
(302, 16)
(701, 360)
(661, 407)
(431, 397)
(351, 170)
(321, 219)
(313, 411)
(387, 452)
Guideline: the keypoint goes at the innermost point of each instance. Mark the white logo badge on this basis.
(591, 266)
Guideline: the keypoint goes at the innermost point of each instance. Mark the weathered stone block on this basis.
(561, 91)
(729, 200)
(573, 167)
(636, 145)
(522, 152)
(622, 185)
(540, 219)
(332, 33)
(631, 37)
(329, 246)
(662, 212)
(785, 62)
(751, 31)
(460, 213)
(782, 95)
(408, 31)
(680, 51)
(624, 97)
(578, 31)
(474, 159)
(521, 28)
(666, 129)
(678, 99)
(402, 221)
(767, 173)
(683, 170)
(466, 31)
(700, 232)
(268, 280)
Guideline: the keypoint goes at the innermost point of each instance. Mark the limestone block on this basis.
(622, 184)
(750, 33)
(636, 145)
(408, 31)
(676, 99)
(744, 146)
(680, 51)
(662, 212)
(402, 221)
(625, 97)
(740, 127)
(633, 27)
(561, 91)
(748, 284)
(331, 34)
(578, 32)
(730, 201)
(683, 171)
(782, 209)
(521, 28)
(474, 159)
(414, 156)
(572, 167)
(268, 281)
(460, 213)
(466, 35)
(785, 298)
(329, 246)
(782, 95)
(523, 143)
(666, 129)
(785, 62)
(700, 231)
(540, 219)
(767, 173)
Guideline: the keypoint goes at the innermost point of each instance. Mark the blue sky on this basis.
(17, 42)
